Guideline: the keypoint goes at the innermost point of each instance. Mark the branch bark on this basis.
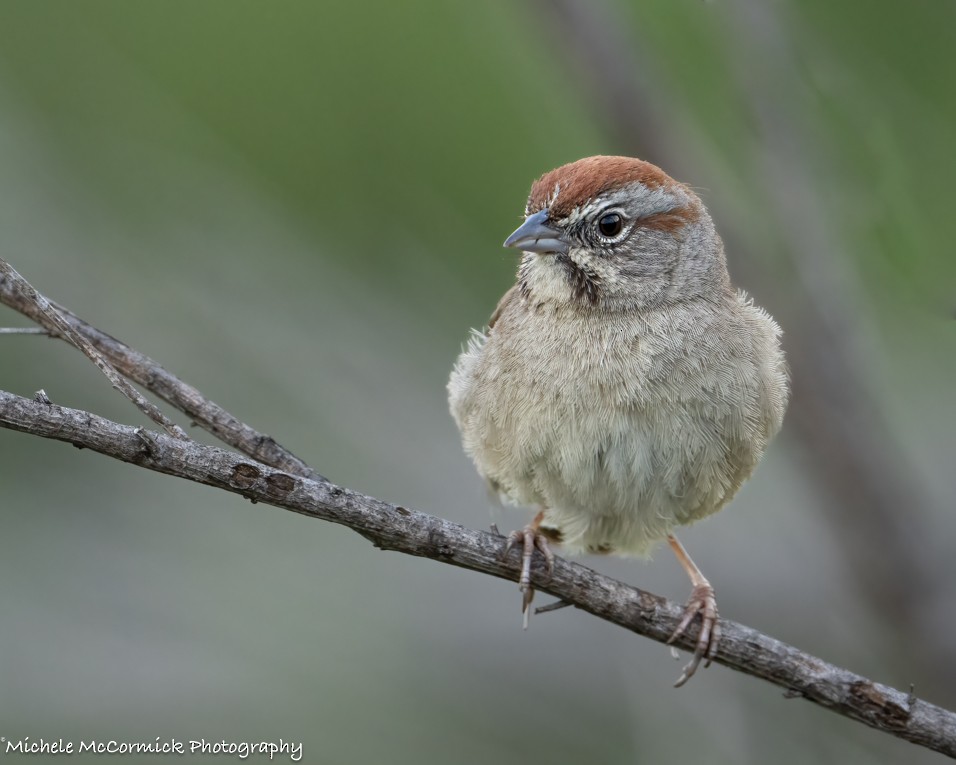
(391, 527)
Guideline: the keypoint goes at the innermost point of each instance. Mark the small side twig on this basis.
(24, 331)
(555, 606)
(148, 373)
(50, 318)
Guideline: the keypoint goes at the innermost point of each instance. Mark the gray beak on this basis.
(535, 235)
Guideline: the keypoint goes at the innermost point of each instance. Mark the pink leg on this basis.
(703, 602)
(530, 539)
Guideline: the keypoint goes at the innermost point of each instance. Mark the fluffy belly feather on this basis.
(608, 475)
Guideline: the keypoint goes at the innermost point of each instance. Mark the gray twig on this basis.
(24, 331)
(52, 320)
(144, 371)
(391, 527)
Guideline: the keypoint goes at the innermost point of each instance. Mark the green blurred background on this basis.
(298, 207)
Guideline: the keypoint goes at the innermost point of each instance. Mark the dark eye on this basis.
(610, 225)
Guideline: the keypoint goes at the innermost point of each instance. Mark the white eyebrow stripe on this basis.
(554, 194)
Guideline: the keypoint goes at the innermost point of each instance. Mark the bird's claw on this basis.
(530, 538)
(703, 602)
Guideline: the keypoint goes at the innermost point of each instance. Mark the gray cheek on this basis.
(648, 254)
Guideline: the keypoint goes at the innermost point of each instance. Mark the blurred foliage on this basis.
(298, 207)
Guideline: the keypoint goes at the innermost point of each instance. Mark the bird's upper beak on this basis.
(535, 235)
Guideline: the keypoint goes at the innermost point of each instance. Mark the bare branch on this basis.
(144, 371)
(51, 319)
(391, 527)
(294, 486)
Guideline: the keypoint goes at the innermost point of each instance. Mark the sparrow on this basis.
(623, 386)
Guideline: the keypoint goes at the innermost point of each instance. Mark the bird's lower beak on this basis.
(535, 235)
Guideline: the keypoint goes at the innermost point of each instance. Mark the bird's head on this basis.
(616, 233)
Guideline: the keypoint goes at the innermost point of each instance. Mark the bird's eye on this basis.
(610, 225)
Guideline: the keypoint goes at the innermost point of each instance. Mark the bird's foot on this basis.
(703, 602)
(530, 538)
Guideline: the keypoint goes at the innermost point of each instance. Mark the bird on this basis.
(622, 386)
